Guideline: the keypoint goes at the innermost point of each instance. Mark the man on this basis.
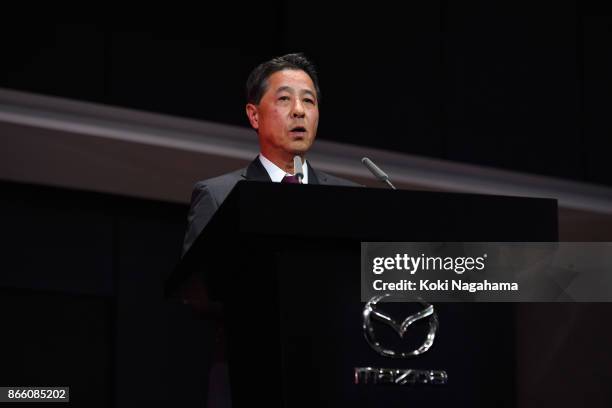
(283, 98)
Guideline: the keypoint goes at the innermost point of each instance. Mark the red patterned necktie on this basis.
(290, 179)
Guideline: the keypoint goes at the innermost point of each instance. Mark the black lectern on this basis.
(285, 262)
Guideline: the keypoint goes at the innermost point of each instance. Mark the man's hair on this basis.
(257, 83)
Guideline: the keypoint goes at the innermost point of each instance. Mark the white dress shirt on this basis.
(276, 173)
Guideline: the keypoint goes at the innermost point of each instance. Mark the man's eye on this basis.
(283, 98)
(308, 100)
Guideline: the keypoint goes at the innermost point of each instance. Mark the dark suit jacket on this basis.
(209, 194)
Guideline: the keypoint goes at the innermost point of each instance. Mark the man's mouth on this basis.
(298, 130)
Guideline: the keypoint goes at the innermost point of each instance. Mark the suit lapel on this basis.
(256, 171)
(315, 177)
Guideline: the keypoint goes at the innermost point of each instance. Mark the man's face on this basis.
(287, 116)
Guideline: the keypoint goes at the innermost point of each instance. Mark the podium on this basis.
(284, 260)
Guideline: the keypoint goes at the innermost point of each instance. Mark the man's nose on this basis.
(298, 110)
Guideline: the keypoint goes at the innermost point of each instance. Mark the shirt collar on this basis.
(276, 173)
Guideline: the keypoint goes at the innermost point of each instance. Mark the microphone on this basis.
(297, 168)
(377, 172)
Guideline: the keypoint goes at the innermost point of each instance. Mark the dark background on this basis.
(81, 300)
(520, 85)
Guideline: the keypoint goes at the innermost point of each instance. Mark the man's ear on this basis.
(253, 115)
